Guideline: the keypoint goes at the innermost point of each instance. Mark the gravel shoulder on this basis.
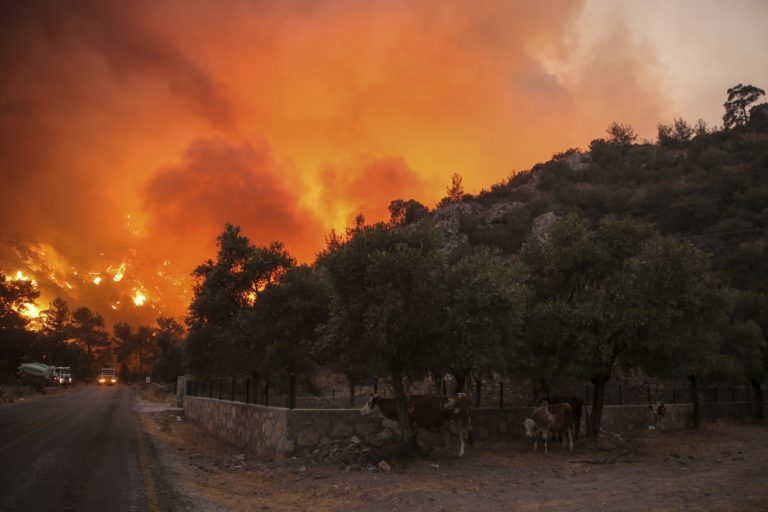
(721, 467)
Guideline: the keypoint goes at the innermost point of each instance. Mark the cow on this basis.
(550, 418)
(657, 415)
(577, 406)
(432, 412)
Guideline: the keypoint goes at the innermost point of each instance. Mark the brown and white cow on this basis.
(657, 415)
(431, 412)
(577, 406)
(550, 418)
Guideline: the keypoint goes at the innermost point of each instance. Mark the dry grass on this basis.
(719, 468)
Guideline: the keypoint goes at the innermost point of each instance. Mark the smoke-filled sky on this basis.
(130, 132)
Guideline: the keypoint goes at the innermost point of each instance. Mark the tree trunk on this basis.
(402, 408)
(695, 400)
(461, 382)
(759, 411)
(598, 397)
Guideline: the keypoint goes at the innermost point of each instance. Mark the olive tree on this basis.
(607, 296)
(485, 302)
(386, 285)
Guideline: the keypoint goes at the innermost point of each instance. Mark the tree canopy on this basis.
(384, 284)
(605, 297)
(740, 97)
(223, 290)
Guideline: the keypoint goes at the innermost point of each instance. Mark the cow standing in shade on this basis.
(432, 412)
(657, 415)
(577, 406)
(550, 418)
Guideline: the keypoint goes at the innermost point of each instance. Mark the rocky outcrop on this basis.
(576, 161)
(453, 218)
(542, 224)
(448, 220)
(497, 211)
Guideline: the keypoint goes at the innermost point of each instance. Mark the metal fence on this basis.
(287, 391)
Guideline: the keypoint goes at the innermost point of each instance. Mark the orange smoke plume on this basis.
(130, 132)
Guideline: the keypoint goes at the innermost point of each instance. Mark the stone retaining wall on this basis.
(254, 428)
(277, 431)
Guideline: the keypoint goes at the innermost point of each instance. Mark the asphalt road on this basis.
(79, 451)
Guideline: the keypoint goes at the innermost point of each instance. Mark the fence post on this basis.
(292, 391)
(501, 395)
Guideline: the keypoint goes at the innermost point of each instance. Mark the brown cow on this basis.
(577, 406)
(657, 415)
(550, 418)
(432, 412)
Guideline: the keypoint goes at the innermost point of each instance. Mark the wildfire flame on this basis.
(30, 310)
(119, 273)
(139, 298)
(102, 285)
(21, 277)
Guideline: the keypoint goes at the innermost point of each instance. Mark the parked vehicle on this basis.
(107, 376)
(64, 375)
(52, 379)
(34, 374)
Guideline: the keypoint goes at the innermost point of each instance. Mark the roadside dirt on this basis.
(11, 393)
(720, 468)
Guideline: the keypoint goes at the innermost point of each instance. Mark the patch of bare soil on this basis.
(721, 467)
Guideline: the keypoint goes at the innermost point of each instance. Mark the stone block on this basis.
(390, 424)
(341, 430)
(322, 423)
(307, 437)
(365, 428)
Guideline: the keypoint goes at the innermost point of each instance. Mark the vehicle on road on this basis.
(107, 377)
(34, 374)
(64, 375)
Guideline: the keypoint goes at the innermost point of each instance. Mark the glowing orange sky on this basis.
(130, 132)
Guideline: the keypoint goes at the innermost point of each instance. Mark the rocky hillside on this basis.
(711, 189)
